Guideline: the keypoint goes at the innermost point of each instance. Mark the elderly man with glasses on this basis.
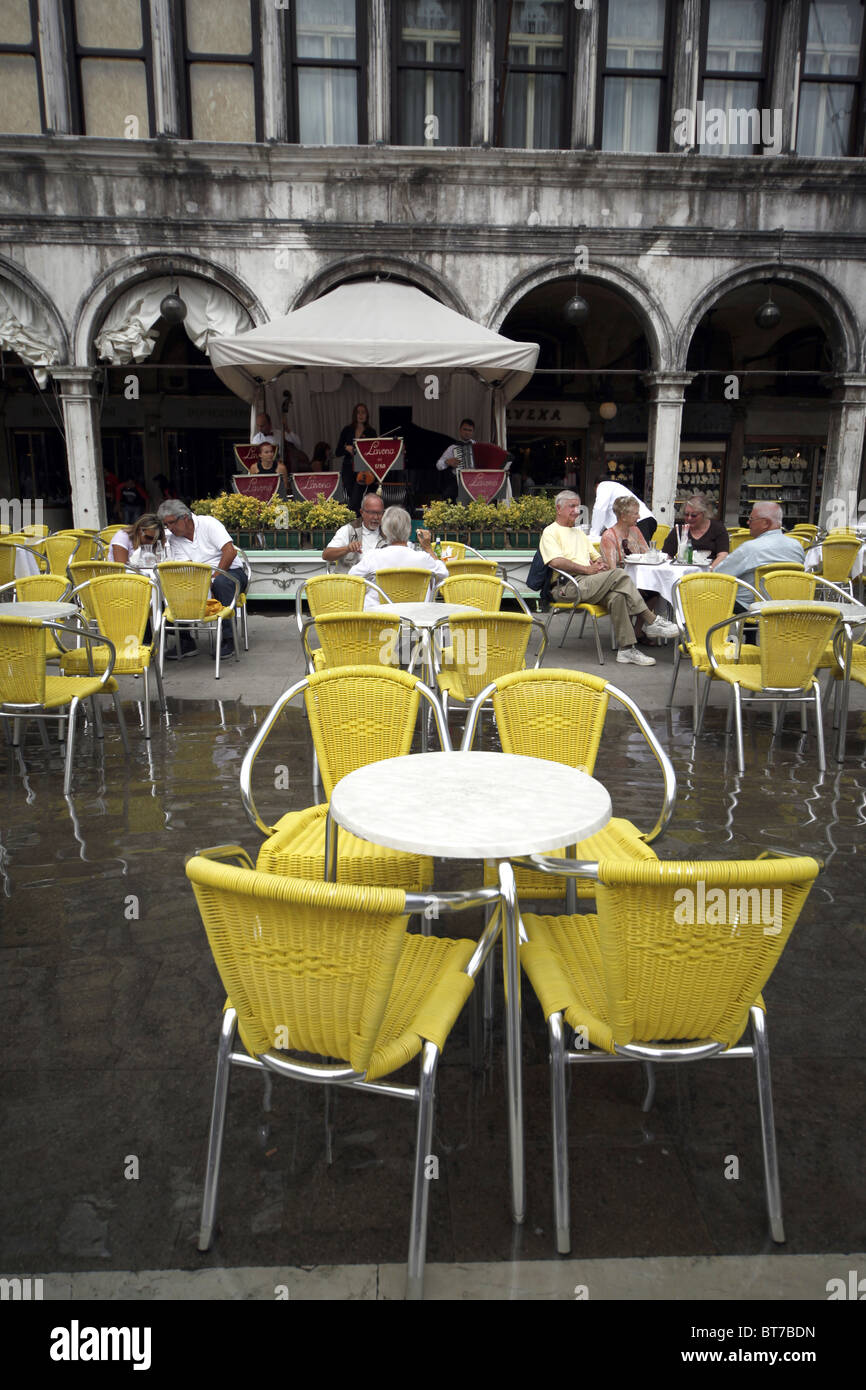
(206, 541)
(352, 541)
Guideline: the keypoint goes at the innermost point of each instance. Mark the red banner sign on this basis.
(246, 454)
(262, 486)
(377, 456)
(482, 484)
(315, 487)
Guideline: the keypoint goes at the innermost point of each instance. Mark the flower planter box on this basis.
(318, 540)
(293, 540)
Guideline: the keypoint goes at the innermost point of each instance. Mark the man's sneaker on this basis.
(632, 657)
(660, 627)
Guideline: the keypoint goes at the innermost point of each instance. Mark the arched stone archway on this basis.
(368, 267)
(24, 291)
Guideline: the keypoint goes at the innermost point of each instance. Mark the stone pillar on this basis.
(686, 70)
(785, 89)
(483, 86)
(55, 73)
(275, 115)
(378, 75)
(80, 395)
(585, 64)
(845, 435)
(734, 467)
(663, 445)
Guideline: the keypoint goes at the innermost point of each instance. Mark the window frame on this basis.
(858, 82)
(78, 51)
(31, 49)
(762, 79)
(504, 69)
(662, 75)
(188, 57)
(400, 65)
(293, 64)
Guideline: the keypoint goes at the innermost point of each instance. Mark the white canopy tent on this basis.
(368, 339)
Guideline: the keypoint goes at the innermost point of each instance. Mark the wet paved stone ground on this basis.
(111, 1010)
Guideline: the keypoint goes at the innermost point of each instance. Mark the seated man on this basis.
(564, 547)
(264, 430)
(206, 541)
(397, 528)
(767, 546)
(453, 458)
(351, 542)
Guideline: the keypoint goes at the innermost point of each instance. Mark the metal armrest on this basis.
(256, 747)
(539, 622)
(667, 769)
(91, 638)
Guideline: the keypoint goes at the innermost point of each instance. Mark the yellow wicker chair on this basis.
(805, 529)
(36, 530)
(120, 605)
(484, 647)
(459, 567)
(838, 554)
(484, 591)
(328, 971)
(107, 534)
(660, 535)
(700, 600)
(404, 585)
(736, 536)
(28, 692)
(8, 557)
(358, 715)
(591, 610)
(670, 970)
(80, 571)
(185, 588)
(560, 716)
(762, 570)
(40, 588)
(328, 593)
(354, 639)
(65, 546)
(792, 639)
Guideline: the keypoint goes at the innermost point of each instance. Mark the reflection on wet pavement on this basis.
(111, 1009)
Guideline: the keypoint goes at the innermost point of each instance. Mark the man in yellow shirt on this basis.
(564, 547)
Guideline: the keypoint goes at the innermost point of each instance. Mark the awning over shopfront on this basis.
(126, 335)
(374, 337)
(25, 330)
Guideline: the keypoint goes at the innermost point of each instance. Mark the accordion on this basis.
(464, 454)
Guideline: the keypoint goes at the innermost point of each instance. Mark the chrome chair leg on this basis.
(160, 688)
(677, 659)
(421, 1183)
(70, 740)
(819, 726)
(146, 705)
(559, 1114)
(219, 642)
(217, 1128)
(768, 1129)
(568, 625)
(738, 720)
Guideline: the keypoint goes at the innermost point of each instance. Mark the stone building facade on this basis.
(674, 163)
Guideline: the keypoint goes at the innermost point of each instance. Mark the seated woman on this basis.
(622, 539)
(269, 465)
(322, 460)
(147, 542)
(396, 527)
(704, 533)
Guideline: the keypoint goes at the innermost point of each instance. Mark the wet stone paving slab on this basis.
(111, 1011)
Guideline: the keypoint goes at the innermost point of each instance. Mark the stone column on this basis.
(80, 395)
(839, 501)
(585, 63)
(378, 75)
(482, 114)
(686, 70)
(663, 445)
(55, 73)
(275, 115)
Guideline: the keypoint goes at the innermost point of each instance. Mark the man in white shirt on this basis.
(205, 541)
(453, 458)
(397, 528)
(264, 430)
(603, 515)
(351, 542)
(564, 547)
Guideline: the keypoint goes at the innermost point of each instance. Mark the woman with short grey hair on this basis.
(704, 533)
(397, 528)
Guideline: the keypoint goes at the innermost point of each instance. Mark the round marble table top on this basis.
(48, 611)
(424, 614)
(470, 805)
(848, 612)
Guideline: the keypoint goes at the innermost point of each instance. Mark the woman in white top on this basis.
(147, 531)
(397, 528)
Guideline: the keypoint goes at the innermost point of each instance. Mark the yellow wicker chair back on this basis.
(804, 528)
(5, 529)
(660, 535)
(795, 585)
(556, 715)
(82, 570)
(108, 533)
(43, 588)
(8, 555)
(706, 599)
(359, 639)
(686, 948)
(186, 586)
(120, 605)
(22, 661)
(837, 558)
(762, 570)
(738, 534)
(482, 591)
(36, 530)
(311, 965)
(360, 715)
(60, 548)
(484, 646)
(404, 585)
(459, 567)
(792, 644)
(335, 593)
